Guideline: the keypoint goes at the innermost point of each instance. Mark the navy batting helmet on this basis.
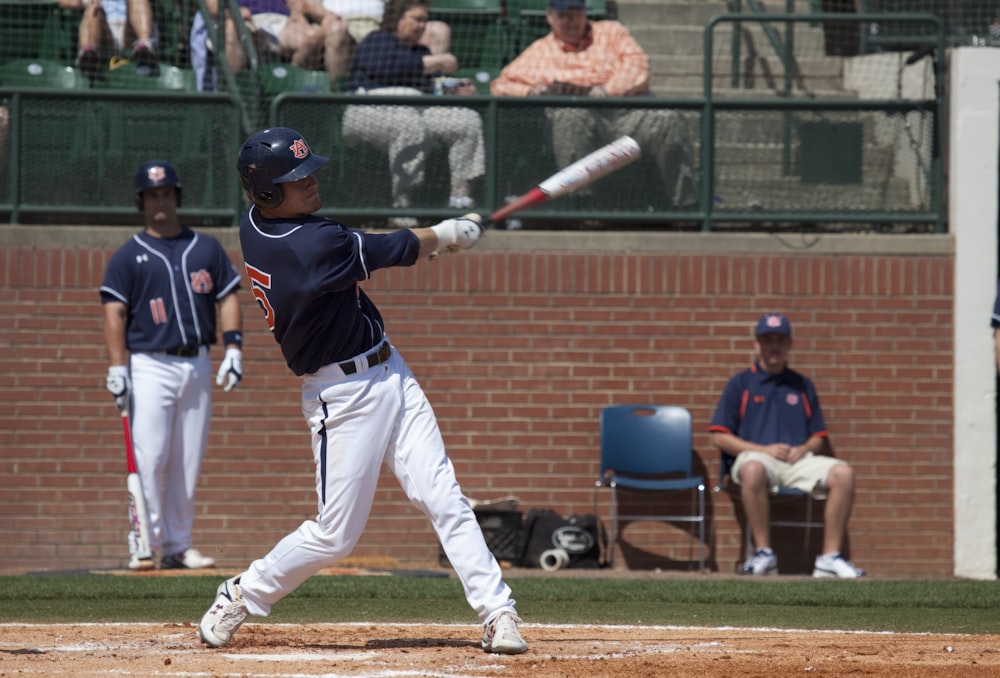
(272, 157)
(153, 174)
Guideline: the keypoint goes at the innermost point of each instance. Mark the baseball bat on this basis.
(137, 517)
(583, 172)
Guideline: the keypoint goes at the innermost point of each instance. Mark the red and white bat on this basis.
(585, 171)
(137, 517)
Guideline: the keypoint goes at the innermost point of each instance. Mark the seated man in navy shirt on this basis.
(769, 418)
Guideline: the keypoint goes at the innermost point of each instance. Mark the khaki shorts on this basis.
(360, 26)
(807, 474)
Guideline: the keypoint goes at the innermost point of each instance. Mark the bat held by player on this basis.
(583, 172)
(142, 556)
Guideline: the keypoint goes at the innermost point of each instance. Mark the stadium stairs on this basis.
(750, 144)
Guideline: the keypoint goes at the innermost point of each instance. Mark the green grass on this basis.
(914, 606)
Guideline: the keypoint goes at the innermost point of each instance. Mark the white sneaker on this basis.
(188, 560)
(225, 616)
(137, 563)
(500, 634)
(762, 562)
(836, 565)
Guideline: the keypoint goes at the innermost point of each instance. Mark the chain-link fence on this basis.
(829, 119)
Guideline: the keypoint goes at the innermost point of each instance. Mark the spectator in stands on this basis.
(301, 32)
(600, 59)
(392, 61)
(769, 418)
(107, 26)
(358, 18)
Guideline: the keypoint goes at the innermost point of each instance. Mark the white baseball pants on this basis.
(359, 422)
(171, 410)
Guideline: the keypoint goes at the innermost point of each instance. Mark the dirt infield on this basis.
(452, 651)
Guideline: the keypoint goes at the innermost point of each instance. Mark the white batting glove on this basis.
(459, 233)
(231, 370)
(118, 385)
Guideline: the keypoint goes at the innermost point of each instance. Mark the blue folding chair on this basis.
(648, 448)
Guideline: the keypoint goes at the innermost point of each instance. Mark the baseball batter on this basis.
(160, 293)
(362, 404)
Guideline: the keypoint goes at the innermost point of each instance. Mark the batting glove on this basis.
(231, 370)
(460, 233)
(118, 385)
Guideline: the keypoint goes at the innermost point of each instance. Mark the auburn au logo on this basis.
(201, 282)
(156, 173)
(299, 148)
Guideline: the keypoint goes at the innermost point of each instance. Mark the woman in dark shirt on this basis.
(392, 61)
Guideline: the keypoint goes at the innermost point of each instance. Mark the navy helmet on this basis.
(272, 157)
(153, 174)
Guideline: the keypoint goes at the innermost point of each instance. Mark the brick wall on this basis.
(518, 351)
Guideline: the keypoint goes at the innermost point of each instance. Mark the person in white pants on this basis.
(362, 404)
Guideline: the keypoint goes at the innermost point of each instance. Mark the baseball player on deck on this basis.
(160, 293)
(362, 404)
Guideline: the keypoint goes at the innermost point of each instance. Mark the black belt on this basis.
(184, 351)
(376, 357)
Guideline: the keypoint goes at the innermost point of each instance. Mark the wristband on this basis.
(232, 337)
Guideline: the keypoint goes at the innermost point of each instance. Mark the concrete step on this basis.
(681, 13)
(813, 74)
(791, 193)
(685, 87)
(749, 161)
(673, 85)
(685, 40)
(768, 128)
(830, 68)
(690, 12)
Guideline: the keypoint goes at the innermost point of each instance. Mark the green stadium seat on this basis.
(278, 77)
(129, 75)
(41, 73)
(479, 32)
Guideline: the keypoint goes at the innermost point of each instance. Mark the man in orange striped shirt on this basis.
(600, 59)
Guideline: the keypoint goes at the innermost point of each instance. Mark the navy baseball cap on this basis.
(773, 323)
(563, 5)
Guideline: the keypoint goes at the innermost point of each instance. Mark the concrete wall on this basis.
(519, 344)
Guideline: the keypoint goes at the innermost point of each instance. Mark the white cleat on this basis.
(763, 562)
(138, 564)
(187, 560)
(836, 565)
(500, 634)
(225, 616)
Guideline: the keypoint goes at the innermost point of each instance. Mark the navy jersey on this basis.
(381, 60)
(304, 273)
(763, 408)
(171, 287)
